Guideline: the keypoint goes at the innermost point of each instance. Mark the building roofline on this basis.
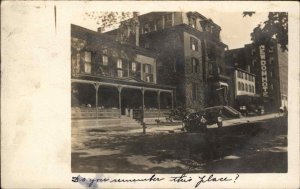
(110, 40)
(244, 71)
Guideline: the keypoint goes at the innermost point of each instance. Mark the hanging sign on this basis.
(264, 77)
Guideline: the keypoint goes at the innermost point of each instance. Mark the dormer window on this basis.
(192, 22)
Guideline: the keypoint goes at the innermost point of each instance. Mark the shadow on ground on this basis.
(247, 148)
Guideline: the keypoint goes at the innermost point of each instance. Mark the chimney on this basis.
(100, 29)
(137, 28)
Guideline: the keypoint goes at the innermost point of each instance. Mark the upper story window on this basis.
(240, 74)
(239, 86)
(148, 78)
(168, 20)
(119, 63)
(271, 49)
(147, 68)
(253, 62)
(104, 60)
(246, 87)
(192, 22)
(248, 68)
(133, 66)
(252, 52)
(159, 24)
(119, 67)
(146, 28)
(194, 44)
(242, 86)
(195, 65)
(271, 60)
(87, 62)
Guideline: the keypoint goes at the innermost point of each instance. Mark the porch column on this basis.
(120, 105)
(172, 100)
(143, 102)
(96, 85)
(158, 102)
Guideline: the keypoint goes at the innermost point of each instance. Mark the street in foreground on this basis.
(254, 147)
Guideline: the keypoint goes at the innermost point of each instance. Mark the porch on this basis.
(96, 99)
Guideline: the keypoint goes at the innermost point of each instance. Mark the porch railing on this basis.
(89, 113)
(150, 113)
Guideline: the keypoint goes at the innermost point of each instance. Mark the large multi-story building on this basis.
(190, 54)
(269, 64)
(110, 78)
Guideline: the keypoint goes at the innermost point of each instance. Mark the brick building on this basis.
(190, 55)
(270, 66)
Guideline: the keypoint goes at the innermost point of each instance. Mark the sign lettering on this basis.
(264, 78)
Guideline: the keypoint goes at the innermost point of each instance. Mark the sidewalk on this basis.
(92, 124)
(226, 123)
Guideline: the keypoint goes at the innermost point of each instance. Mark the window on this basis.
(146, 28)
(242, 86)
(192, 22)
(168, 20)
(246, 87)
(119, 67)
(271, 86)
(271, 74)
(271, 49)
(239, 86)
(119, 64)
(159, 24)
(246, 76)
(271, 60)
(248, 68)
(87, 62)
(104, 60)
(194, 91)
(195, 64)
(148, 78)
(147, 68)
(252, 52)
(253, 62)
(219, 69)
(194, 44)
(133, 66)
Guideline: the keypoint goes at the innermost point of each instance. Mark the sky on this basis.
(235, 32)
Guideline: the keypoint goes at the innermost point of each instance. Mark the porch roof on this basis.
(124, 83)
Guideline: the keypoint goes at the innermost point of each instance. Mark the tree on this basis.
(109, 19)
(276, 27)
